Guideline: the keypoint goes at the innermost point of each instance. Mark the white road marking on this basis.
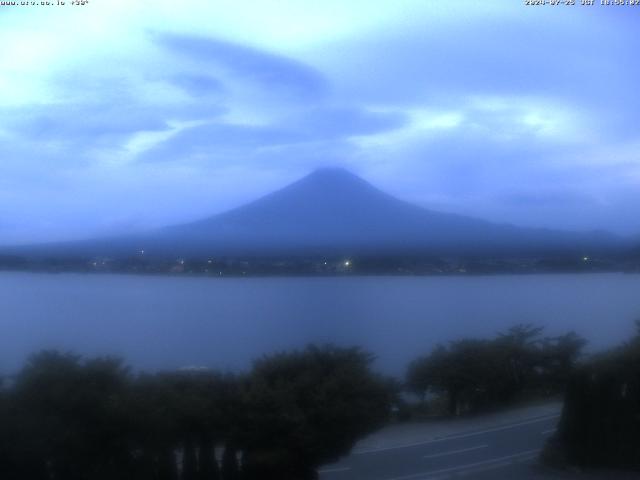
(485, 468)
(334, 470)
(453, 452)
(457, 436)
(547, 432)
(522, 456)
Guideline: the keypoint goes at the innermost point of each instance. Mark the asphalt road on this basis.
(506, 451)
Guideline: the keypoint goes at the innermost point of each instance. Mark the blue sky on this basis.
(120, 116)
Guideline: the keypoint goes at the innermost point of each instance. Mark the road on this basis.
(505, 450)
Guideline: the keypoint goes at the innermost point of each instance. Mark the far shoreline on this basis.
(307, 275)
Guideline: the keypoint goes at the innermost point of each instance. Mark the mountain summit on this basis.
(332, 211)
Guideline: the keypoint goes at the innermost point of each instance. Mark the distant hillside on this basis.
(332, 211)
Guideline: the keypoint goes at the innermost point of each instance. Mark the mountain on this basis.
(333, 211)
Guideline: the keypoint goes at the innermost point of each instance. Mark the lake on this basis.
(159, 322)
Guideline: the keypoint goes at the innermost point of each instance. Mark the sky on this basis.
(119, 116)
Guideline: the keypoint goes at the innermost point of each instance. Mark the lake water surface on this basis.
(167, 322)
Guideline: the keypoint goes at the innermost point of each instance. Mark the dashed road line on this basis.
(334, 470)
(484, 465)
(453, 452)
(458, 436)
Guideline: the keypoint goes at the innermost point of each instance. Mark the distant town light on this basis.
(585, 259)
(141, 252)
(347, 263)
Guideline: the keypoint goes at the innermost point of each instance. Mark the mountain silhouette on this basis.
(333, 211)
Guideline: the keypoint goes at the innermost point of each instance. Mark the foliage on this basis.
(69, 417)
(308, 408)
(479, 374)
(66, 418)
(600, 424)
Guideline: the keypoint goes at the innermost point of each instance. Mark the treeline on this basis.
(65, 418)
(600, 423)
(328, 265)
(472, 375)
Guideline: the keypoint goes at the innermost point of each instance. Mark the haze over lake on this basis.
(170, 322)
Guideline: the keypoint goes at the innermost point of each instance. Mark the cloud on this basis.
(211, 140)
(85, 121)
(340, 122)
(280, 74)
(547, 198)
(198, 85)
(517, 53)
(521, 179)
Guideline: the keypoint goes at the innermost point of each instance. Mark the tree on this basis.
(600, 423)
(559, 356)
(307, 408)
(230, 463)
(478, 374)
(71, 417)
(186, 412)
(68, 418)
(520, 352)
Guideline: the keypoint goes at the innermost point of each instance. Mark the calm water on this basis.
(167, 322)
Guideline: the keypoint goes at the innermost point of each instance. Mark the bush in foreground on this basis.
(308, 408)
(65, 418)
(474, 375)
(600, 423)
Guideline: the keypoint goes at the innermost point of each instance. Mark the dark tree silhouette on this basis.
(478, 374)
(71, 416)
(559, 356)
(230, 469)
(181, 416)
(66, 418)
(307, 408)
(600, 423)
(208, 468)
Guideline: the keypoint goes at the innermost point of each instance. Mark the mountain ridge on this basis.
(333, 211)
